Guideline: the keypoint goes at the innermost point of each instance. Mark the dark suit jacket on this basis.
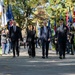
(48, 33)
(62, 36)
(15, 35)
(31, 36)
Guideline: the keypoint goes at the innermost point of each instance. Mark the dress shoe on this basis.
(72, 53)
(60, 57)
(43, 57)
(13, 56)
(29, 56)
(33, 56)
(63, 57)
(46, 56)
(17, 55)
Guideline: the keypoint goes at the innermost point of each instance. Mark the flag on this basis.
(74, 15)
(70, 17)
(67, 18)
(3, 18)
(38, 29)
(74, 11)
(49, 25)
(55, 25)
(69, 21)
(10, 16)
(0, 9)
(9, 13)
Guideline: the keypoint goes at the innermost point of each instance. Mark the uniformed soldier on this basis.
(61, 35)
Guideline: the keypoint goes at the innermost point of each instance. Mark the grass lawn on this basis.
(0, 51)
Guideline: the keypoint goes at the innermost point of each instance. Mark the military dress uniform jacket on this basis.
(61, 34)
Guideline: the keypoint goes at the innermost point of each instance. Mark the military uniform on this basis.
(61, 35)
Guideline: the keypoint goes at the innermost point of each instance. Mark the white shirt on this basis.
(45, 29)
(14, 27)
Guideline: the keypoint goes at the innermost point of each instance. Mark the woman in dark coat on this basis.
(31, 41)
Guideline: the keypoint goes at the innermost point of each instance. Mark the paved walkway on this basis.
(24, 65)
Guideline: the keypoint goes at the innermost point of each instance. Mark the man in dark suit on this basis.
(15, 36)
(61, 35)
(45, 35)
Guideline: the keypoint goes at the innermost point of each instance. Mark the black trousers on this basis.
(62, 49)
(56, 47)
(15, 47)
(45, 47)
(32, 48)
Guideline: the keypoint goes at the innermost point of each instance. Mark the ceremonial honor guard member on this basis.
(61, 35)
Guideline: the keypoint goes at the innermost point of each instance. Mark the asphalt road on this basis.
(24, 65)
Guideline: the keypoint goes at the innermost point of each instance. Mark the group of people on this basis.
(45, 35)
(61, 39)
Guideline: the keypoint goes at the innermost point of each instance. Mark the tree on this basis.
(58, 9)
(23, 9)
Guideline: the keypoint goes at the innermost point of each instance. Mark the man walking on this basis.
(61, 35)
(15, 35)
(45, 39)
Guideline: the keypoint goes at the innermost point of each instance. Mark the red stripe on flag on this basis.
(67, 18)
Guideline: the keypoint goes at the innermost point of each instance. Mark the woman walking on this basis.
(31, 41)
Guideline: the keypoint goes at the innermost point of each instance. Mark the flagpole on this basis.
(3, 15)
(0, 14)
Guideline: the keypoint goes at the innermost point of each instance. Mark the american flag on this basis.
(55, 25)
